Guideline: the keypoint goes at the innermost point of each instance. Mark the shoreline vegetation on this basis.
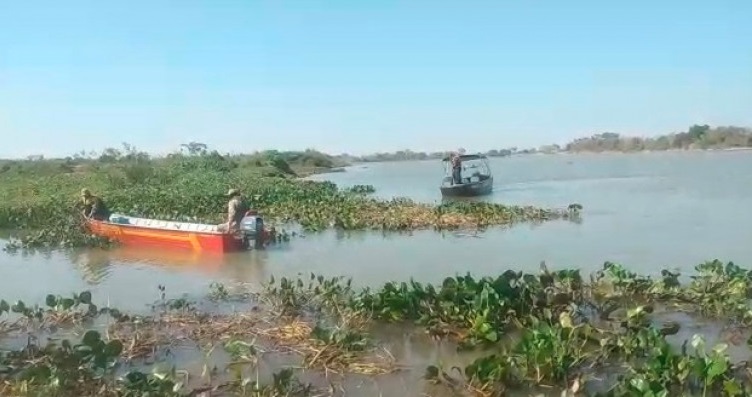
(39, 198)
(697, 137)
(310, 161)
(554, 332)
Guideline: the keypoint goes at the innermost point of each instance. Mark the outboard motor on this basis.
(252, 227)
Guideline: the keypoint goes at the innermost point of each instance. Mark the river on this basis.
(647, 211)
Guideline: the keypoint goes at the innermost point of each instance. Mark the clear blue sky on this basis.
(365, 76)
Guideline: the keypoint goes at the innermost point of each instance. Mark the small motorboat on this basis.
(134, 231)
(475, 177)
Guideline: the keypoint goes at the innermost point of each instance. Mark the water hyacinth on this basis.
(551, 331)
(50, 203)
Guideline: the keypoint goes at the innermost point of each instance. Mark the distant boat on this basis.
(476, 178)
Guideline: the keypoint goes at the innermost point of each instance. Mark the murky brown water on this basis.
(647, 211)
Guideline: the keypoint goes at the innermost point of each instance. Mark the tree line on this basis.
(697, 137)
(409, 155)
(137, 165)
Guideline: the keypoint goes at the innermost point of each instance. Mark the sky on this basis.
(364, 76)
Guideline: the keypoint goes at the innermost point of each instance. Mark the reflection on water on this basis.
(94, 265)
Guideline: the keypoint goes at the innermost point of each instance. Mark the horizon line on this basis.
(165, 153)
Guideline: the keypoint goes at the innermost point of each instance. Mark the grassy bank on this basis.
(555, 332)
(42, 195)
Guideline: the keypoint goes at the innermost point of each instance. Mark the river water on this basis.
(647, 211)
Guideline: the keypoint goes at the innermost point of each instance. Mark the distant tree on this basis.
(195, 148)
(696, 132)
(281, 164)
(109, 155)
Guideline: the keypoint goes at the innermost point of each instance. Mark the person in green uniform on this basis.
(94, 207)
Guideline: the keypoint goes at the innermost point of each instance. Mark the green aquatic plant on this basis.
(560, 353)
(158, 384)
(62, 231)
(569, 329)
(59, 310)
(46, 208)
(94, 366)
(551, 329)
(666, 372)
(547, 353)
(343, 339)
(568, 352)
(720, 289)
(361, 189)
(218, 292)
(284, 383)
(551, 352)
(241, 351)
(64, 368)
(477, 311)
(623, 281)
(292, 296)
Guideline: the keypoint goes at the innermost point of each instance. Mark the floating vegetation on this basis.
(361, 189)
(606, 335)
(45, 208)
(555, 329)
(64, 231)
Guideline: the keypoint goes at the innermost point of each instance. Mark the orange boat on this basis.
(179, 235)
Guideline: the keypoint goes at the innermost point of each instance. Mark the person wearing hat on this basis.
(235, 211)
(94, 207)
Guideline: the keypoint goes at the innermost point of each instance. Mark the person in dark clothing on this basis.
(456, 169)
(94, 207)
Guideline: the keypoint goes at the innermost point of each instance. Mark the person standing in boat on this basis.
(456, 168)
(235, 212)
(94, 207)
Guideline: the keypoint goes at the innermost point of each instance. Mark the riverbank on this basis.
(562, 153)
(697, 137)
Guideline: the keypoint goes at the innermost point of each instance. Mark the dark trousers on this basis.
(457, 175)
